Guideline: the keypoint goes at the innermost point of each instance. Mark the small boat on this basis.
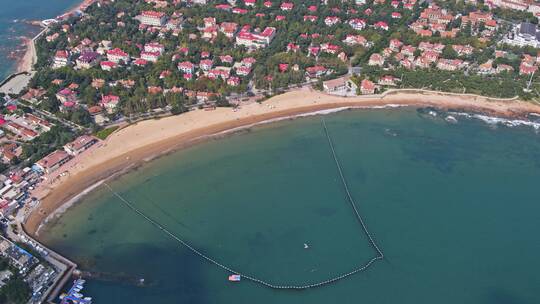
(306, 246)
(235, 278)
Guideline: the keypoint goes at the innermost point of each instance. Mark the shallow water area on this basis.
(452, 205)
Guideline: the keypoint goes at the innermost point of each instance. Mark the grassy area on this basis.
(105, 133)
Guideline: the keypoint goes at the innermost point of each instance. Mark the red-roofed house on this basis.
(376, 59)
(330, 48)
(206, 64)
(150, 56)
(186, 67)
(286, 6)
(67, 95)
(315, 71)
(381, 25)
(140, 62)
(228, 28)
(357, 23)
(239, 11)
(153, 18)
(116, 55)
(107, 65)
(80, 144)
(395, 45)
(109, 102)
(355, 39)
(61, 59)
(331, 20)
(255, 39)
(233, 81)
(53, 161)
(367, 87)
(243, 71)
(526, 69)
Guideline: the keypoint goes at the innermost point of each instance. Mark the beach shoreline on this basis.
(146, 140)
(26, 62)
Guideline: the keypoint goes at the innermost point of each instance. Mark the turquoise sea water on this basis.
(12, 25)
(453, 206)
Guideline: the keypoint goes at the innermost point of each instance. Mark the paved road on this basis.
(16, 84)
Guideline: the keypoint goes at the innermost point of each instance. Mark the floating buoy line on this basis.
(238, 274)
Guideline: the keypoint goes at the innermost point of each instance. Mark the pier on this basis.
(360, 268)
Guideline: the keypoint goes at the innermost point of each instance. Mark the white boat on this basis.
(235, 278)
(306, 246)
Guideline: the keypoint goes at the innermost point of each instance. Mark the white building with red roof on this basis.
(80, 144)
(367, 87)
(331, 20)
(357, 24)
(381, 25)
(153, 18)
(116, 55)
(53, 161)
(330, 48)
(108, 65)
(150, 56)
(243, 71)
(286, 6)
(395, 45)
(233, 81)
(61, 59)
(316, 71)
(355, 40)
(154, 47)
(527, 69)
(248, 61)
(255, 39)
(376, 60)
(186, 67)
(206, 64)
(228, 28)
(109, 102)
(450, 64)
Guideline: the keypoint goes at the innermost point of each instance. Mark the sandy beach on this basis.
(142, 141)
(25, 63)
